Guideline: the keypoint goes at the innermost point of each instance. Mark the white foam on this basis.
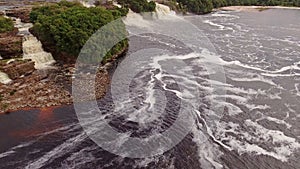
(162, 12)
(7, 153)
(58, 151)
(209, 153)
(244, 147)
(33, 50)
(225, 15)
(255, 79)
(232, 109)
(278, 121)
(274, 73)
(134, 19)
(4, 79)
(283, 146)
(87, 3)
(256, 107)
(297, 85)
(221, 27)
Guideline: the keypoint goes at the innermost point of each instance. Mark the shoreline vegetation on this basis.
(64, 27)
(207, 6)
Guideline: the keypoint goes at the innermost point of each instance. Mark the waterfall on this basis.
(4, 79)
(144, 19)
(32, 49)
(87, 3)
(163, 10)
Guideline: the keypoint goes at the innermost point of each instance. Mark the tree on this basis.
(67, 25)
(138, 5)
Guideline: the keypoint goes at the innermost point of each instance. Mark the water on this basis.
(259, 128)
(4, 79)
(32, 47)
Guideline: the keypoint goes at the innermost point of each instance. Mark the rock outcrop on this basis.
(20, 12)
(10, 45)
(17, 69)
(32, 91)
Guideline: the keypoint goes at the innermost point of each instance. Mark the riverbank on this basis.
(254, 8)
(41, 87)
(52, 87)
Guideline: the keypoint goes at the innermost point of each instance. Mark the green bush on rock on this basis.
(206, 6)
(138, 5)
(6, 24)
(68, 25)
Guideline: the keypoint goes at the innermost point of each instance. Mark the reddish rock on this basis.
(19, 68)
(20, 12)
(10, 45)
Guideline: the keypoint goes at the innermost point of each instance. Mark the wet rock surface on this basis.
(17, 68)
(33, 90)
(46, 88)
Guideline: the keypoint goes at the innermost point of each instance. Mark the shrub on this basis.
(6, 24)
(68, 25)
(138, 5)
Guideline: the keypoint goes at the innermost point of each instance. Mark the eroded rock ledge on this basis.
(46, 88)
(20, 12)
(32, 88)
(10, 44)
(18, 68)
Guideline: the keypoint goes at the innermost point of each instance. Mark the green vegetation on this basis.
(68, 25)
(175, 6)
(6, 24)
(206, 6)
(197, 6)
(138, 5)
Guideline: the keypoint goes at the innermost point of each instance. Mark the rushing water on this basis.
(4, 78)
(259, 128)
(32, 48)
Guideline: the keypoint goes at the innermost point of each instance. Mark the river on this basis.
(259, 53)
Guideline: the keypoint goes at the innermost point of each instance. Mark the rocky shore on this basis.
(32, 91)
(46, 88)
(31, 88)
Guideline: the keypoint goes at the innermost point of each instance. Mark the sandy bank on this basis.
(255, 8)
